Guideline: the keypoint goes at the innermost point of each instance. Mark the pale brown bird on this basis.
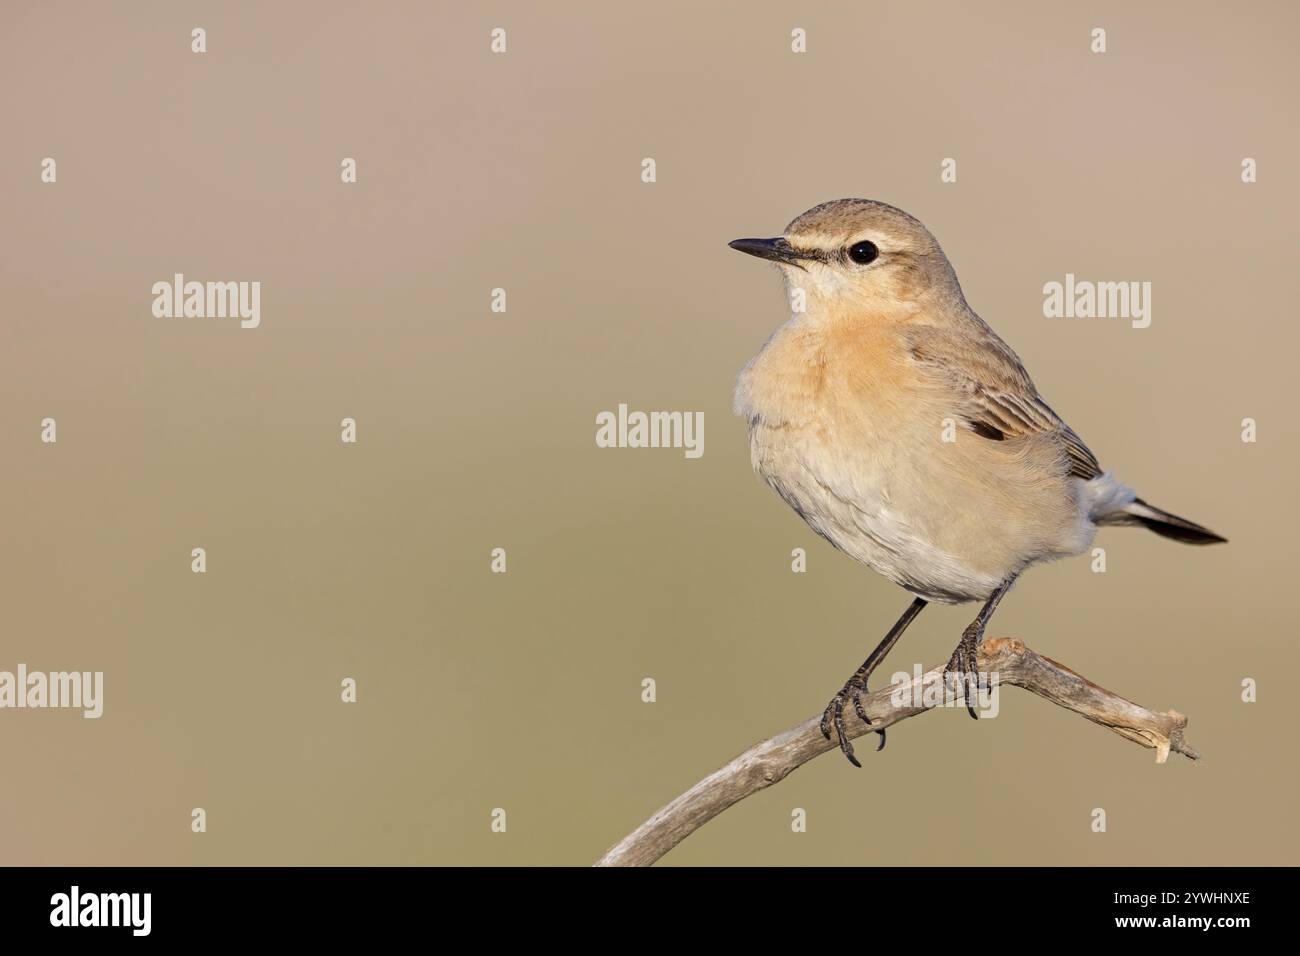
(907, 434)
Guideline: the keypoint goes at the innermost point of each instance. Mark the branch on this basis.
(1007, 660)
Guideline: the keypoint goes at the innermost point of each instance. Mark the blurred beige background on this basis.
(476, 430)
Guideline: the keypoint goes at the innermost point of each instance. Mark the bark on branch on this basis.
(772, 760)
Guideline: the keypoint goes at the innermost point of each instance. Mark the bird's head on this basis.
(855, 255)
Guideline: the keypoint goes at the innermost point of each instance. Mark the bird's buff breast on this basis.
(851, 447)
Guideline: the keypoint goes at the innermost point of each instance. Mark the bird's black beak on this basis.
(777, 250)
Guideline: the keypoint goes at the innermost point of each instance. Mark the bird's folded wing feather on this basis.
(991, 390)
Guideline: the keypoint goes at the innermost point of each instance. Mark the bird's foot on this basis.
(963, 667)
(833, 717)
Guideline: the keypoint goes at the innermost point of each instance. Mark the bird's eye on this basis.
(863, 252)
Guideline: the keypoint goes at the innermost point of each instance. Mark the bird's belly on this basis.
(853, 503)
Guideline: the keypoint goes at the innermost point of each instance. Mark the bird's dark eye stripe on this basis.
(813, 254)
(831, 256)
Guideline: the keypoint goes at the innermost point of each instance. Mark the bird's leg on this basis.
(856, 686)
(964, 663)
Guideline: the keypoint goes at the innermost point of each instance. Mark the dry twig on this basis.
(772, 760)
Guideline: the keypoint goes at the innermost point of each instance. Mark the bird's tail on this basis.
(1162, 523)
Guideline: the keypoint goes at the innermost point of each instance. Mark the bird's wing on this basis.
(993, 393)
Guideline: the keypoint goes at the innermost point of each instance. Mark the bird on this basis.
(902, 429)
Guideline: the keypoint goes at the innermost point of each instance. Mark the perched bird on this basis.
(907, 434)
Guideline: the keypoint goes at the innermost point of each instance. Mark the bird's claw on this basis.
(833, 718)
(963, 667)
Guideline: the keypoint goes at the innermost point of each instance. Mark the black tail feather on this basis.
(1167, 525)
